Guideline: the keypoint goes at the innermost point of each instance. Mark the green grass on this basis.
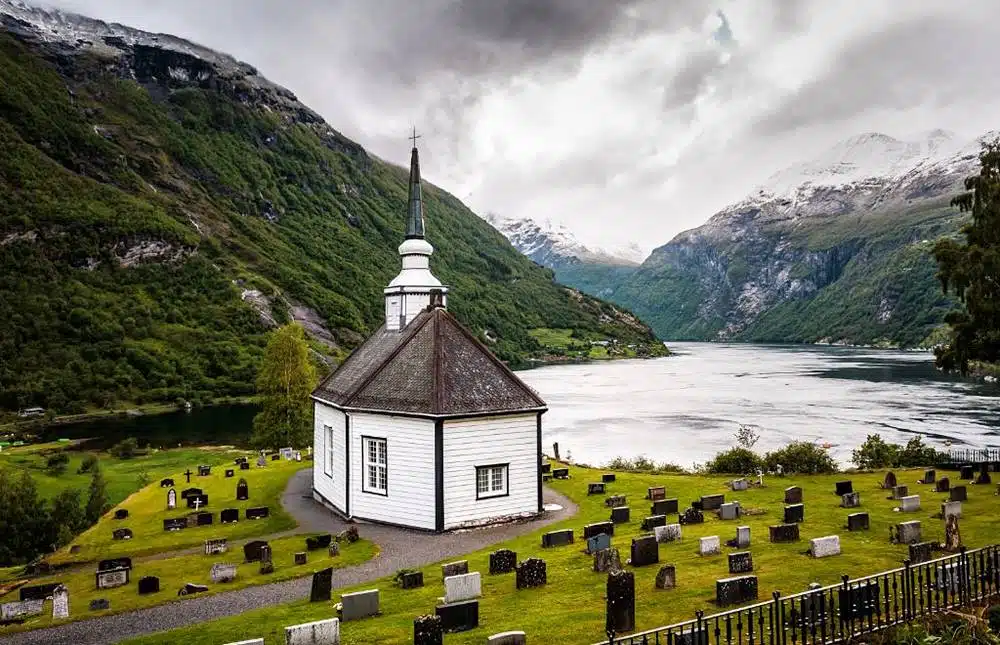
(570, 609)
(175, 572)
(574, 344)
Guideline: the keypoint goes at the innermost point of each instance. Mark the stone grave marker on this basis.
(349, 535)
(597, 543)
(783, 533)
(192, 520)
(650, 523)
(921, 552)
(823, 547)
(984, 475)
(608, 478)
(322, 585)
(121, 514)
(851, 500)
(113, 578)
(546, 468)
(740, 562)
(691, 516)
(739, 484)
(620, 514)
(100, 604)
(188, 492)
(258, 513)
(229, 515)
(742, 539)
(793, 495)
(242, 490)
(459, 616)
(204, 519)
(320, 632)
(712, 502)
(950, 577)
(929, 477)
(595, 488)
(252, 551)
(666, 577)
(360, 604)
(190, 588)
(899, 492)
(197, 501)
(729, 511)
(457, 568)
(427, 630)
(113, 563)
(216, 546)
(230, 472)
(607, 560)
(656, 492)
(667, 533)
(266, 564)
(795, 513)
(664, 507)
(953, 537)
(967, 472)
(502, 561)
(590, 530)
(462, 587)
(287, 452)
(39, 592)
(557, 473)
(276, 457)
(710, 545)
(171, 499)
(645, 551)
(857, 522)
(334, 549)
(317, 542)
(531, 573)
(411, 579)
(557, 538)
(844, 487)
(507, 638)
(122, 534)
(736, 590)
(613, 501)
(11, 612)
(300, 558)
(908, 532)
(60, 603)
(957, 494)
(244, 465)
(858, 602)
(951, 508)
(148, 585)
(910, 503)
(165, 483)
(620, 595)
(204, 471)
(942, 485)
(890, 481)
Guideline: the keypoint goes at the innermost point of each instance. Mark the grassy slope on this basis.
(570, 609)
(195, 171)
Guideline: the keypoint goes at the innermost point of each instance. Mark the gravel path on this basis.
(399, 548)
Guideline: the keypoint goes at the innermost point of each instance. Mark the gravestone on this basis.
(276, 457)
(710, 545)
(735, 591)
(322, 585)
(11, 612)
(462, 587)
(651, 523)
(531, 573)
(216, 546)
(607, 560)
(620, 514)
(645, 551)
(38, 592)
(317, 542)
(230, 473)
(148, 585)
(967, 472)
(252, 551)
(890, 481)
(793, 495)
(858, 602)
(113, 578)
(952, 577)
(739, 484)
(908, 532)
(334, 549)
(428, 630)
(122, 534)
(349, 535)
(595, 488)
(910, 504)
(559, 473)
(899, 492)
(100, 604)
(740, 562)
(620, 595)
(300, 558)
(60, 603)
(742, 539)
(229, 515)
(502, 561)
(729, 511)
(266, 565)
(287, 452)
(192, 520)
(783, 533)
(187, 475)
(546, 468)
(664, 507)
(666, 577)
(942, 485)
(507, 638)
(244, 465)
(656, 492)
(858, 522)
(188, 492)
(824, 547)
(984, 475)
(204, 471)
(197, 501)
(590, 530)
(921, 552)
(121, 514)
(164, 483)
(597, 543)
(795, 513)
(320, 632)
(953, 537)
(691, 516)
(458, 568)
(557, 538)
(667, 533)
(411, 579)
(261, 461)
(242, 490)
(929, 477)
(957, 494)
(844, 487)
(459, 616)
(851, 500)
(360, 604)
(615, 500)
(259, 513)
(204, 519)
(171, 499)
(114, 563)
(712, 502)
(608, 478)
(951, 508)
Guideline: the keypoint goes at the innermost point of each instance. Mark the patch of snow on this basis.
(552, 244)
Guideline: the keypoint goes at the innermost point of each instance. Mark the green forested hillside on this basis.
(135, 209)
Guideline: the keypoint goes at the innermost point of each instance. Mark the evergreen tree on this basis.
(68, 515)
(285, 381)
(26, 528)
(97, 497)
(971, 270)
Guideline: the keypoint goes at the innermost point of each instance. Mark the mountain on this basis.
(162, 205)
(834, 249)
(595, 271)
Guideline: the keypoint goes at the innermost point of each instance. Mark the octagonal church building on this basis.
(422, 426)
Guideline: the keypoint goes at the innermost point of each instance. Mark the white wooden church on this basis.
(422, 426)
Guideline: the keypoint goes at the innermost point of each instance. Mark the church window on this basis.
(328, 441)
(376, 477)
(491, 481)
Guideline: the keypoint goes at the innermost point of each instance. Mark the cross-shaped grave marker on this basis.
(188, 475)
(197, 504)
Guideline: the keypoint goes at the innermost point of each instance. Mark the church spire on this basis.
(415, 208)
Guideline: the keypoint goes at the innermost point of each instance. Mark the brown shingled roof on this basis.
(433, 366)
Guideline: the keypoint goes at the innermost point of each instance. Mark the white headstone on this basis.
(223, 572)
(910, 503)
(252, 641)
(823, 547)
(667, 533)
(951, 508)
(462, 587)
(507, 638)
(709, 545)
(321, 632)
(739, 484)
(60, 602)
(742, 537)
(12, 610)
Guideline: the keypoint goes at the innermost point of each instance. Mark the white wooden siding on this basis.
(480, 442)
(331, 487)
(410, 455)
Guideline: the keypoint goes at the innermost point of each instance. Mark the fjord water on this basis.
(685, 408)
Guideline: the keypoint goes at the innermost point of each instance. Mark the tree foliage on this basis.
(285, 381)
(876, 453)
(971, 270)
(97, 496)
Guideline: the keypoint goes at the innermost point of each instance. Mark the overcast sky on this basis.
(627, 120)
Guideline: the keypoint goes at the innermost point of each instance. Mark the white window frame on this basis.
(496, 480)
(375, 465)
(328, 453)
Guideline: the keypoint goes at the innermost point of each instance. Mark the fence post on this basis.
(965, 571)
(907, 590)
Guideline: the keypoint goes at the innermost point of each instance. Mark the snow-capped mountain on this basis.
(555, 246)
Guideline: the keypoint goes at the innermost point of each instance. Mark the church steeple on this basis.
(415, 288)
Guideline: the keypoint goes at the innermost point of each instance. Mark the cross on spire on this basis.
(414, 137)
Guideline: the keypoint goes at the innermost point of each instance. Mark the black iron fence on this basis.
(974, 455)
(840, 612)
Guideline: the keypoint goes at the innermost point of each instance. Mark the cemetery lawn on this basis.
(570, 608)
(175, 572)
(148, 508)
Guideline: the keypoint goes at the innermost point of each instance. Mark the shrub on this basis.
(56, 464)
(916, 453)
(125, 449)
(801, 457)
(874, 453)
(642, 464)
(89, 461)
(737, 461)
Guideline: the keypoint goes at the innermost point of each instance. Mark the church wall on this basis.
(485, 441)
(331, 486)
(410, 498)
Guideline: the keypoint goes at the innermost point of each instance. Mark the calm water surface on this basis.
(685, 408)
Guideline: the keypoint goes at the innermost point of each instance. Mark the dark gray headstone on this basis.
(645, 551)
(599, 542)
(735, 591)
(122, 534)
(428, 630)
(204, 519)
(651, 523)
(175, 523)
(458, 616)
(190, 589)
(741, 562)
(121, 514)
(300, 558)
(39, 592)
(595, 488)
(666, 577)
(244, 465)
(656, 492)
(199, 501)
(620, 514)
(252, 550)
(458, 568)
(620, 595)
(258, 513)
(890, 481)
(851, 500)
(316, 542)
(546, 468)
(983, 477)
(204, 471)
(149, 584)
(664, 507)
(411, 579)
(607, 478)
(100, 604)
(166, 483)
(590, 530)
(322, 585)
(942, 485)
(557, 473)
(230, 472)
(967, 472)
(557, 538)
(921, 552)
(857, 522)
(229, 515)
(531, 573)
(795, 513)
(502, 561)
(793, 495)
(114, 563)
(607, 560)
(784, 533)
(844, 487)
(712, 502)
(242, 490)
(188, 492)
(691, 516)
(615, 500)
(957, 494)
(929, 476)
